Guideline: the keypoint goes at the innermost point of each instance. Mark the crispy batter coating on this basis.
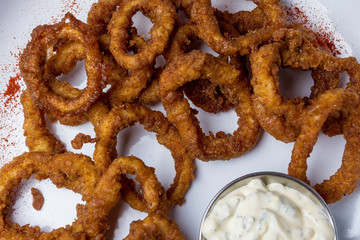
(203, 93)
(80, 139)
(204, 16)
(162, 13)
(313, 119)
(277, 126)
(123, 77)
(73, 171)
(38, 199)
(32, 60)
(100, 14)
(195, 65)
(38, 137)
(243, 21)
(107, 194)
(154, 226)
(127, 115)
(346, 178)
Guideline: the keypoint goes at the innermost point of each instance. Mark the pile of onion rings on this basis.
(123, 81)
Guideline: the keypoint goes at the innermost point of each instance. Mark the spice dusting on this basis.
(315, 17)
(12, 140)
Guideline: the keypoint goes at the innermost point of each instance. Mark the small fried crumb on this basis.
(80, 139)
(38, 199)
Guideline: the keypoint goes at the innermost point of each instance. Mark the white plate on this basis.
(18, 18)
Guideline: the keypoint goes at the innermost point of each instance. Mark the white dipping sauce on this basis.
(274, 211)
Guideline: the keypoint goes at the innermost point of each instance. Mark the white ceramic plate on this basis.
(18, 18)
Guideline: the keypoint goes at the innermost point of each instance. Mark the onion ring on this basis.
(73, 171)
(128, 114)
(195, 65)
(32, 60)
(204, 16)
(100, 14)
(313, 119)
(154, 226)
(285, 113)
(162, 13)
(203, 94)
(63, 62)
(38, 137)
(107, 193)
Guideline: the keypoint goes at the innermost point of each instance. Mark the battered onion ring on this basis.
(128, 114)
(154, 226)
(204, 15)
(73, 171)
(34, 57)
(66, 57)
(138, 85)
(265, 80)
(207, 96)
(184, 5)
(277, 126)
(203, 94)
(162, 13)
(195, 65)
(100, 14)
(345, 180)
(313, 119)
(38, 137)
(285, 113)
(243, 21)
(107, 193)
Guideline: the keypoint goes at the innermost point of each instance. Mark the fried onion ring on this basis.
(107, 193)
(203, 94)
(73, 171)
(38, 137)
(128, 114)
(313, 119)
(195, 65)
(100, 14)
(154, 226)
(34, 57)
(162, 13)
(278, 115)
(204, 16)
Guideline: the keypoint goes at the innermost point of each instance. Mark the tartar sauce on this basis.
(273, 211)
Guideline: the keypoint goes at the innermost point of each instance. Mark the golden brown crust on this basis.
(38, 199)
(195, 65)
(162, 13)
(253, 46)
(75, 172)
(32, 60)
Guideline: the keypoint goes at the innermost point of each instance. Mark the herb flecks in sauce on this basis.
(273, 211)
